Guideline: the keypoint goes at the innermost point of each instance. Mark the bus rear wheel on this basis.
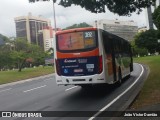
(119, 82)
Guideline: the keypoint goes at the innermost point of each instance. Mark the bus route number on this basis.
(88, 34)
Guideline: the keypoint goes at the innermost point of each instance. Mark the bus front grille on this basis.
(77, 80)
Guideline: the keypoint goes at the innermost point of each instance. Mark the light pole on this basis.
(96, 23)
(54, 16)
(158, 45)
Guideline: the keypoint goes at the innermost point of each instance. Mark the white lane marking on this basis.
(5, 90)
(71, 88)
(35, 88)
(108, 105)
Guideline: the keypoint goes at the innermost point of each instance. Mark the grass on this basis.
(14, 75)
(150, 93)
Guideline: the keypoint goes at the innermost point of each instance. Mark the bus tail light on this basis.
(58, 67)
(100, 64)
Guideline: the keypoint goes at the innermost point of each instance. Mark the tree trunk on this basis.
(20, 69)
(21, 65)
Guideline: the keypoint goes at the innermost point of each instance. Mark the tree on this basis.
(80, 25)
(5, 56)
(50, 52)
(156, 17)
(148, 40)
(37, 54)
(137, 50)
(121, 7)
(23, 50)
(5, 59)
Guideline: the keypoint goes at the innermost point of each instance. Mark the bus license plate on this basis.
(90, 66)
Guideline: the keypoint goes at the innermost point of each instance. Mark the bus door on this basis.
(113, 59)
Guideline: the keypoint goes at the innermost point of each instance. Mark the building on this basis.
(149, 12)
(149, 18)
(123, 29)
(45, 37)
(29, 27)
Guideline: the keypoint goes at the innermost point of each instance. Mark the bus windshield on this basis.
(76, 41)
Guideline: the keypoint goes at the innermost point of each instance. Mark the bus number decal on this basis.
(88, 34)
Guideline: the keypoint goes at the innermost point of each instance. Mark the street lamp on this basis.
(158, 41)
(54, 16)
(96, 23)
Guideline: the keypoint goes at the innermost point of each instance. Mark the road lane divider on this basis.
(71, 88)
(5, 90)
(35, 88)
(119, 96)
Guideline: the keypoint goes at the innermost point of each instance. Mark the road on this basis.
(45, 95)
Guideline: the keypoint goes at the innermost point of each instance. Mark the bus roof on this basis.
(75, 30)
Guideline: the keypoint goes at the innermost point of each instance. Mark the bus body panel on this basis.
(107, 65)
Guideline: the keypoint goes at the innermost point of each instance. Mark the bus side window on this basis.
(106, 42)
(116, 45)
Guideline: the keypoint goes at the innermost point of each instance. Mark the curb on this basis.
(139, 89)
(133, 97)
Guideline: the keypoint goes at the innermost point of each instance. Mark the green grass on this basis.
(14, 75)
(150, 93)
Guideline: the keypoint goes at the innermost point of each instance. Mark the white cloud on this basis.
(64, 16)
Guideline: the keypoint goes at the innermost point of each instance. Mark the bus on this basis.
(90, 56)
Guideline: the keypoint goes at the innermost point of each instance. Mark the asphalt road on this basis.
(44, 95)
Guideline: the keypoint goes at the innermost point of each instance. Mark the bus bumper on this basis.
(77, 80)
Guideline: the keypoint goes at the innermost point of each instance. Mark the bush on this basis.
(140, 51)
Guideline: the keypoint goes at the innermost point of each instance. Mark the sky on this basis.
(9, 9)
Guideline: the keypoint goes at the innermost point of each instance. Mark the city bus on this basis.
(91, 56)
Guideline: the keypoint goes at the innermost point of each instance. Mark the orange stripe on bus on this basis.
(78, 55)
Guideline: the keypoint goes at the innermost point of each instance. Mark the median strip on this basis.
(35, 88)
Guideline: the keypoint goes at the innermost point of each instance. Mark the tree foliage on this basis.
(156, 17)
(137, 51)
(15, 54)
(3, 37)
(80, 25)
(148, 40)
(121, 7)
(23, 50)
(5, 57)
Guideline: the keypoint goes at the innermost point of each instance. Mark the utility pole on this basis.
(54, 16)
